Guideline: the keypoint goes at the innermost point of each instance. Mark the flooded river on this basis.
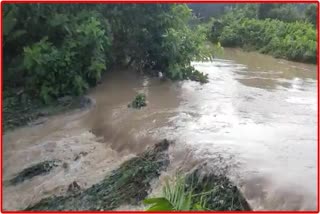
(257, 116)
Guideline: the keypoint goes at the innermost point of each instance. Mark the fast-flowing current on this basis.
(257, 117)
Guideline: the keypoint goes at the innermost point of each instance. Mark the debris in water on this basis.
(74, 188)
(65, 165)
(78, 156)
(87, 102)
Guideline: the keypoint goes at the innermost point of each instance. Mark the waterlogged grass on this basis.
(129, 184)
(198, 192)
(217, 191)
(41, 168)
(20, 110)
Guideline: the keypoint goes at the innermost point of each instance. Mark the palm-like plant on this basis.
(176, 197)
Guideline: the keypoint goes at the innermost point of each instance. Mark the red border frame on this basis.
(160, 1)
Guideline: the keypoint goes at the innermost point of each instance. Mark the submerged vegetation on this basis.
(129, 184)
(216, 191)
(38, 169)
(20, 109)
(139, 101)
(198, 192)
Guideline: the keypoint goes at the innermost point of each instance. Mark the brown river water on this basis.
(257, 116)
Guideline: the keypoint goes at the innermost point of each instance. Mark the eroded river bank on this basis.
(255, 119)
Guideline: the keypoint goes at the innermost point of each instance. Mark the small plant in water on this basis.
(176, 197)
(199, 77)
(139, 101)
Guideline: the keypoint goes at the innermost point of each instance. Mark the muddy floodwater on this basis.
(257, 117)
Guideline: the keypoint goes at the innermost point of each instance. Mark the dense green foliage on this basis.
(78, 62)
(251, 27)
(287, 12)
(206, 11)
(63, 50)
(283, 12)
(311, 13)
(158, 38)
(53, 50)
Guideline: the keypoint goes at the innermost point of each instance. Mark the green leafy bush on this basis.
(158, 37)
(139, 101)
(294, 41)
(68, 69)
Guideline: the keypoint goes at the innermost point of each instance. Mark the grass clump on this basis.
(198, 192)
(139, 101)
(218, 192)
